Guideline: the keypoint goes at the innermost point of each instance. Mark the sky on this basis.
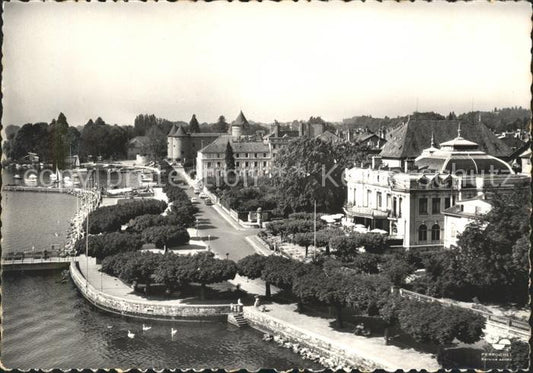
(280, 61)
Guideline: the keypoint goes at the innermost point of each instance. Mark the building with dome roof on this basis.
(409, 203)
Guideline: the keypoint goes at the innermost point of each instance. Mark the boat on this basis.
(17, 176)
(31, 180)
(67, 182)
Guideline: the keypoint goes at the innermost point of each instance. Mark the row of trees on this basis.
(52, 142)
(174, 271)
(111, 218)
(338, 287)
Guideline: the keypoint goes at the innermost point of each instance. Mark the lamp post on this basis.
(227, 256)
(208, 242)
(197, 227)
(314, 227)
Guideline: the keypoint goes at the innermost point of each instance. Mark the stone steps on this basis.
(237, 319)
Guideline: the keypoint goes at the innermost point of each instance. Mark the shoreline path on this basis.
(224, 238)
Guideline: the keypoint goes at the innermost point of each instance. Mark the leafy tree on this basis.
(230, 159)
(278, 271)
(107, 244)
(210, 270)
(396, 269)
(111, 218)
(221, 125)
(311, 170)
(194, 126)
(519, 355)
(141, 222)
(165, 235)
(491, 260)
(435, 323)
(252, 266)
(304, 239)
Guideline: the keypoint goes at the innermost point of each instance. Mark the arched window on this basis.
(435, 233)
(423, 233)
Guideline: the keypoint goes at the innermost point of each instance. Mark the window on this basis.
(245, 164)
(208, 164)
(423, 233)
(400, 208)
(264, 155)
(446, 202)
(218, 164)
(394, 202)
(368, 197)
(378, 199)
(255, 164)
(435, 206)
(246, 155)
(423, 206)
(264, 164)
(435, 233)
(255, 155)
(237, 164)
(388, 201)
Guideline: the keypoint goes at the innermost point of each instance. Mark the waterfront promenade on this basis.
(371, 349)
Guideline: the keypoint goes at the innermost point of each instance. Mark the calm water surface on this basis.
(49, 325)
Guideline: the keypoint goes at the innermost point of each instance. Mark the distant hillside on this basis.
(498, 120)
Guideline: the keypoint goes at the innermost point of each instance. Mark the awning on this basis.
(366, 212)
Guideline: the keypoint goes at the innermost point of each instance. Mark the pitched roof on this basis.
(141, 140)
(240, 121)
(409, 139)
(207, 134)
(328, 136)
(219, 146)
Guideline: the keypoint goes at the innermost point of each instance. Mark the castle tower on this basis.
(238, 125)
(181, 144)
(170, 142)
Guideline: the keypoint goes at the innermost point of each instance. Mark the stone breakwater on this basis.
(146, 309)
(309, 345)
(88, 200)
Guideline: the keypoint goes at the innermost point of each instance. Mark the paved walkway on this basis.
(372, 348)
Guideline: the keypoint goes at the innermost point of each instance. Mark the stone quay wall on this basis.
(333, 354)
(146, 309)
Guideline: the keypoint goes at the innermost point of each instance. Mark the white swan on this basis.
(146, 327)
(173, 331)
(131, 335)
(109, 326)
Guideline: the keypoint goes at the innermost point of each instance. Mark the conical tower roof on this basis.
(180, 132)
(173, 130)
(240, 121)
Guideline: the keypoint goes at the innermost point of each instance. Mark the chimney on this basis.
(376, 162)
(408, 165)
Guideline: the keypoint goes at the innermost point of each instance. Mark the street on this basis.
(222, 237)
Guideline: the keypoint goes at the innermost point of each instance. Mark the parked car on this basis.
(203, 195)
(194, 200)
(208, 201)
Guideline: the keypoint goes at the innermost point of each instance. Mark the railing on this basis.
(32, 260)
(520, 326)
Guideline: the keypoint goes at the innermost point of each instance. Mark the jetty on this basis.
(37, 264)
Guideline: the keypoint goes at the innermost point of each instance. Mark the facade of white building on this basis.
(409, 204)
(457, 217)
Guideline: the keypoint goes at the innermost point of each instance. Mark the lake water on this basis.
(47, 324)
(37, 220)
